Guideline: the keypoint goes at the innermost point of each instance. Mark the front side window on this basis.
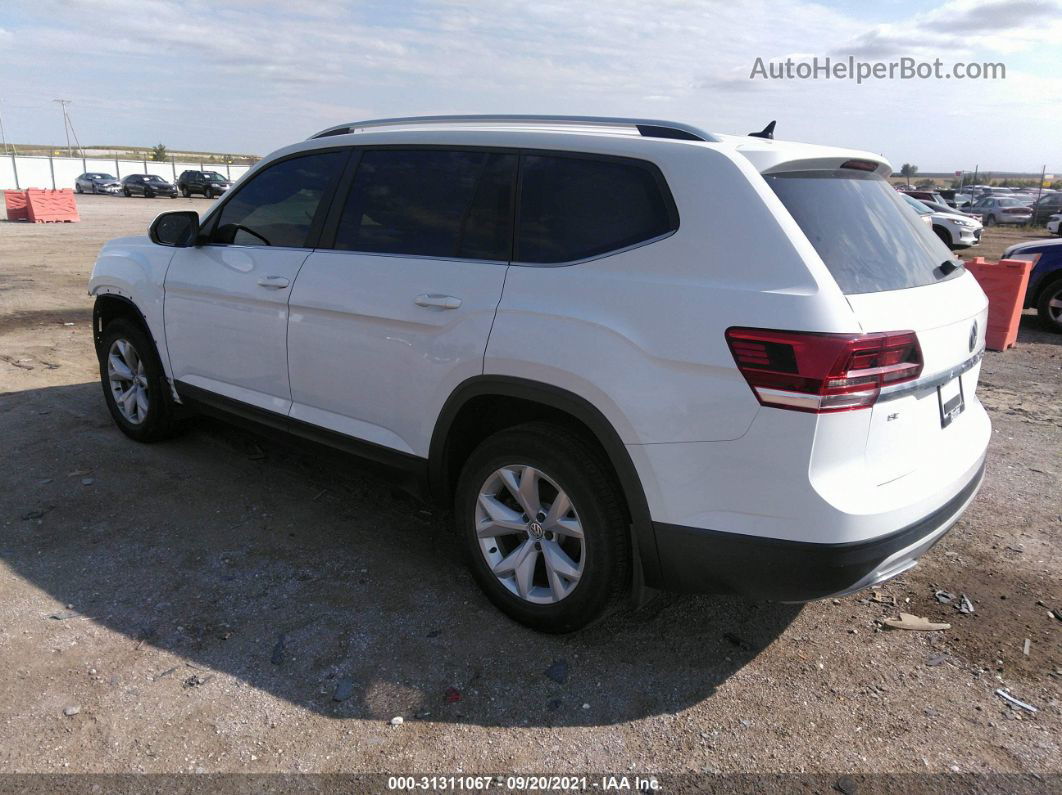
(430, 203)
(278, 205)
(572, 208)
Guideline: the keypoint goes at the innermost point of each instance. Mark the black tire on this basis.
(1052, 292)
(159, 420)
(990, 220)
(149, 194)
(208, 193)
(126, 192)
(580, 470)
(944, 235)
(77, 188)
(185, 193)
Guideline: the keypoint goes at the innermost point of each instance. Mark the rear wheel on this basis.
(134, 384)
(185, 193)
(990, 220)
(208, 193)
(126, 192)
(541, 518)
(1049, 307)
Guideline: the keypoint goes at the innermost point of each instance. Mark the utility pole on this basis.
(3, 137)
(68, 127)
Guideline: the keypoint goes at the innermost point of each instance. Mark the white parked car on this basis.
(624, 352)
(1054, 225)
(955, 228)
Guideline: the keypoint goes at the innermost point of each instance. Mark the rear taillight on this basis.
(807, 371)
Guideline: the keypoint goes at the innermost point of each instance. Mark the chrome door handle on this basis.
(434, 301)
(273, 282)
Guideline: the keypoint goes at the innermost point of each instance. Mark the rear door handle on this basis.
(273, 282)
(434, 301)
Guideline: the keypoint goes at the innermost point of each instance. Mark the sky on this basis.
(251, 76)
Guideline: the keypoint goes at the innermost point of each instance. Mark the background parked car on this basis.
(1002, 210)
(926, 196)
(97, 182)
(148, 186)
(957, 229)
(208, 183)
(1048, 205)
(1054, 225)
(1045, 282)
(955, 198)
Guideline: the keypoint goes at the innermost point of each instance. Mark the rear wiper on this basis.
(947, 267)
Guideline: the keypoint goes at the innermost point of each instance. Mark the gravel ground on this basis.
(226, 603)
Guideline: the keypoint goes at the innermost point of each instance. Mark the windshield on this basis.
(153, 178)
(214, 176)
(1010, 203)
(863, 230)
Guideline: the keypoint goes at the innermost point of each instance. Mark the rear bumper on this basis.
(709, 561)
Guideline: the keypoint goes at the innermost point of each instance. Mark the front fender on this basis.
(134, 269)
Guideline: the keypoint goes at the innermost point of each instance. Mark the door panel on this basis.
(368, 360)
(226, 320)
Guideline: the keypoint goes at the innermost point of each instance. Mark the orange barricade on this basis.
(1004, 283)
(51, 206)
(16, 205)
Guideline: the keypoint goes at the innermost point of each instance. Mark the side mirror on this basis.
(179, 228)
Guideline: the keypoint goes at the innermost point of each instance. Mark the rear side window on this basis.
(572, 208)
(430, 203)
(858, 223)
(278, 205)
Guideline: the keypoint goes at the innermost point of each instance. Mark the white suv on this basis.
(625, 352)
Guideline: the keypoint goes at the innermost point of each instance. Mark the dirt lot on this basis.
(223, 602)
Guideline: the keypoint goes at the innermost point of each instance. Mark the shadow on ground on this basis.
(309, 577)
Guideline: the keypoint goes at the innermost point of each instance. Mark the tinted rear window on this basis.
(572, 208)
(430, 202)
(868, 238)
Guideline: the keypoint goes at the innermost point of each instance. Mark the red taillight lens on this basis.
(806, 371)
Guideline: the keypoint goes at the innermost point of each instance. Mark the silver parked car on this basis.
(1002, 210)
(97, 182)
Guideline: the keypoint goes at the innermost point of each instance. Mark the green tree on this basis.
(908, 170)
(158, 153)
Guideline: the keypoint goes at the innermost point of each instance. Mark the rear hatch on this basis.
(897, 276)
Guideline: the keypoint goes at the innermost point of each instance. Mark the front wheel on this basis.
(208, 194)
(543, 522)
(1049, 307)
(126, 192)
(185, 193)
(77, 188)
(990, 220)
(134, 384)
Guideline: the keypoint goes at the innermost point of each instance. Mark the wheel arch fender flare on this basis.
(580, 409)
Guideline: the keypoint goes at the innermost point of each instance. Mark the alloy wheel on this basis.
(530, 534)
(128, 381)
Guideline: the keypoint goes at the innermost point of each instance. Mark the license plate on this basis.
(951, 400)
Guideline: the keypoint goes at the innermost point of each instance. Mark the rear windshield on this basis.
(870, 240)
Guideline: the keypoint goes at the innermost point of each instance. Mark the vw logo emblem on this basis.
(536, 530)
(973, 336)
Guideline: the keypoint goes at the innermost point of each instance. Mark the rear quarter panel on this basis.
(640, 334)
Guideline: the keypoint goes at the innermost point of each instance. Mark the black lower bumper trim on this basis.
(708, 561)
